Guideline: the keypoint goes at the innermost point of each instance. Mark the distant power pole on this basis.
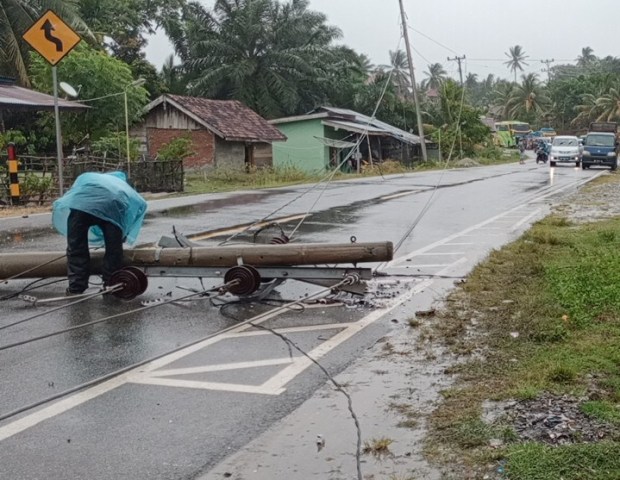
(459, 60)
(548, 69)
(413, 84)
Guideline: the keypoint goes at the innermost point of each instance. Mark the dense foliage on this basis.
(281, 58)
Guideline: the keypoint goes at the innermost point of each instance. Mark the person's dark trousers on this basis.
(78, 256)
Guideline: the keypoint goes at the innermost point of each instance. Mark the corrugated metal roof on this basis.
(13, 97)
(353, 122)
(229, 119)
(373, 125)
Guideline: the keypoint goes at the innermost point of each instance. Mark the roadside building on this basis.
(324, 138)
(222, 132)
(14, 98)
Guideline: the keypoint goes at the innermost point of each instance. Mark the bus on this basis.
(508, 133)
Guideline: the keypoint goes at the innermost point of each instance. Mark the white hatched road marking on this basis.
(273, 386)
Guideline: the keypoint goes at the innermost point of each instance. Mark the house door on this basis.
(249, 157)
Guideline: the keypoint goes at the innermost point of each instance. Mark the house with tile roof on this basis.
(223, 132)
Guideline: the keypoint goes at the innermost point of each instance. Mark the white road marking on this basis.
(438, 254)
(143, 375)
(500, 216)
(222, 367)
(307, 328)
(524, 220)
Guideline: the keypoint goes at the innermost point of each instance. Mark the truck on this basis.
(600, 145)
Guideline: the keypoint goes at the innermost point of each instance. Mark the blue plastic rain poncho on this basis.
(107, 196)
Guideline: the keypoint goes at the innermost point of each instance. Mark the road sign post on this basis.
(53, 39)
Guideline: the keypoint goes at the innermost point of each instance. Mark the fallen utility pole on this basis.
(54, 264)
(413, 84)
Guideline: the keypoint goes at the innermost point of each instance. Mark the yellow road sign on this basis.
(51, 37)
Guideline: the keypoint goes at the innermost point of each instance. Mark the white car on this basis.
(565, 149)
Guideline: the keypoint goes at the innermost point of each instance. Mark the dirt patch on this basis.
(6, 212)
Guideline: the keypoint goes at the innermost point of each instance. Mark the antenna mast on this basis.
(413, 84)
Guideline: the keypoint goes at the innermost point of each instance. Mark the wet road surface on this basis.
(180, 415)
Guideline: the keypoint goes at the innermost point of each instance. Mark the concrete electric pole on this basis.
(413, 84)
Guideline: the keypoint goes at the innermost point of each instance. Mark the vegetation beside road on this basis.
(541, 316)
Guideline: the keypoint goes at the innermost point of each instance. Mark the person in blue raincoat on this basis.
(100, 209)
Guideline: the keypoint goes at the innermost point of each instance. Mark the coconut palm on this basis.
(17, 16)
(588, 110)
(269, 55)
(471, 81)
(587, 57)
(501, 96)
(528, 98)
(436, 76)
(609, 105)
(516, 60)
(399, 67)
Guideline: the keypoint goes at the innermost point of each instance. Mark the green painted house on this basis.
(330, 137)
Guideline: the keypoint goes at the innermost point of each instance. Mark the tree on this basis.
(17, 16)
(516, 60)
(457, 122)
(502, 94)
(270, 56)
(436, 76)
(399, 68)
(587, 57)
(528, 99)
(99, 75)
(609, 105)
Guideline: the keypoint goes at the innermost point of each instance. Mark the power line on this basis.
(434, 41)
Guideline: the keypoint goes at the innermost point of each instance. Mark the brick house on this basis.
(223, 132)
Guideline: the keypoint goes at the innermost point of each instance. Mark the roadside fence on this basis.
(38, 176)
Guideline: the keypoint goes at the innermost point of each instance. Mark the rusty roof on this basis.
(229, 119)
(13, 97)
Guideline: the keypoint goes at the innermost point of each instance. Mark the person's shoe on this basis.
(69, 293)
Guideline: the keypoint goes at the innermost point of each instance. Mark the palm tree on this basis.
(17, 16)
(516, 60)
(471, 81)
(588, 110)
(436, 76)
(270, 56)
(586, 58)
(528, 98)
(609, 105)
(399, 66)
(504, 91)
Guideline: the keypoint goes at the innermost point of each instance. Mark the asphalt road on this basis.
(209, 394)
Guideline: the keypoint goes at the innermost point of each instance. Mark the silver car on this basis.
(565, 149)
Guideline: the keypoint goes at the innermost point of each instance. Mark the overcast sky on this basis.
(482, 30)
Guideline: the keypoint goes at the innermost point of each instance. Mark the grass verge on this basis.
(540, 315)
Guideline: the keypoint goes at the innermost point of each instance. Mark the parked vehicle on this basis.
(600, 146)
(565, 149)
(548, 132)
(509, 133)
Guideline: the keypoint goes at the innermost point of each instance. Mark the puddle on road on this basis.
(212, 205)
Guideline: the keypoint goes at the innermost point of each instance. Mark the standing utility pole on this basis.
(548, 69)
(459, 60)
(413, 84)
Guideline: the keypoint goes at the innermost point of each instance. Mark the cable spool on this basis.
(280, 240)
(248, 280)
(133, 280)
